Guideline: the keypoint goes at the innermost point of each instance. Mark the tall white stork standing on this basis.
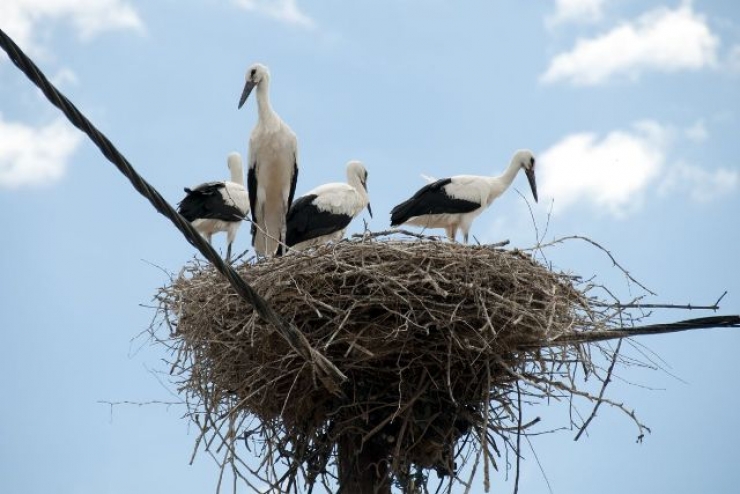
(453, 203)
(322, 214)
(215, 207)
(273, 167)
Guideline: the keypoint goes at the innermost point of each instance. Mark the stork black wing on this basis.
(207, 202)
(306, 221)
(431, 199)
(293, 182)
(252, 191)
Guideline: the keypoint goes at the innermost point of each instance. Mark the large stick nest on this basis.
(440, 342)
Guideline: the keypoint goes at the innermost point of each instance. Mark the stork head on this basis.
(356, 173)
(256, 74)
(526, 161)
(234, 161)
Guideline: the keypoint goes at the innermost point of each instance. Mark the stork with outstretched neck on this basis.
(272, 168)
(453, 203)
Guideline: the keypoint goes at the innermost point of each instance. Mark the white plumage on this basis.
(322, 214)
(273, 167)
(215, 207)
(453, 203)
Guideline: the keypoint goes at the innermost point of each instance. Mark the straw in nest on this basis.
(441, 342)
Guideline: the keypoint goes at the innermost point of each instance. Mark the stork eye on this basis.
(531, 161)
(253, 73)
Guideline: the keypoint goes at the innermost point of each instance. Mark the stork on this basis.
(453, 203)
(322, 214)
(215, 207)
(273, 167)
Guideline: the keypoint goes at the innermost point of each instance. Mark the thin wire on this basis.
(330, 375)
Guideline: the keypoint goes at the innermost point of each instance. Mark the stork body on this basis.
(272, 168)
(215, 207)
(453, 203)
(323, 214)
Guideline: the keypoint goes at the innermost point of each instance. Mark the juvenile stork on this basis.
(273, 167)
(215, 207)
(322, 215)
(453, 203)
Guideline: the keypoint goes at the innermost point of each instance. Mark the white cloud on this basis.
(610, 173)
(701, 185)
(21, 18)
(577, 11)
(286, 11)
(614, 173)
(31, 156)
(663, 39)
(697, 132)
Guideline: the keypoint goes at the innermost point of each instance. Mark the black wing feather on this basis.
(252, 191)
(293, 183)
(306, 221)
(431, 199)
(207, 202)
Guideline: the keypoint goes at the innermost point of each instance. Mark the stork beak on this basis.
(245, 93)
(364, 186)
(532, 182)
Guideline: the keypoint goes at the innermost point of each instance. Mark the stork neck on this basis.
(498, 185)
(237, 175)
(506, 178)
(264, 109)
(355, 182)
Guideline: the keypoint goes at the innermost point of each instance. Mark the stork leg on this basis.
(230, 236)
(451, 232)
(283, 233)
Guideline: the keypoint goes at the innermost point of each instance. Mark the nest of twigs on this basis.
(440, 342)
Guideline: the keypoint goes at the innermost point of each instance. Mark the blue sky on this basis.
(632, 107)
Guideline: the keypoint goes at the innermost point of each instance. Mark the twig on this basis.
(518, 451)
(531, 215)
(601, 248)
(395, 231)
(606, 382)
(539, 464)
(112, 404)
(638, 305)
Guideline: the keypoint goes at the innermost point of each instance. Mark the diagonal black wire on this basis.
(329, 374)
